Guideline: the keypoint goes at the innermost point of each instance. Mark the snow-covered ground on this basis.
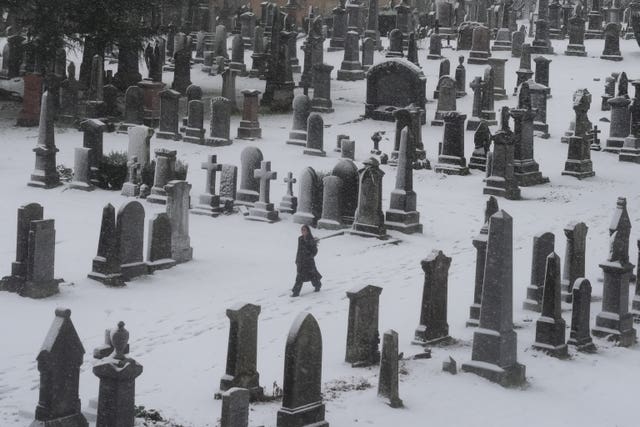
(177, 317)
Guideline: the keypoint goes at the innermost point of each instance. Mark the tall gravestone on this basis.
(501, 179)
(580, 335)
(307, 194)
(159, 243)
(362, 330)
(178, 204)
(59, 362)
(543, 245)
(250, 160)
(45, 174)
(574, 257)
(169, 118)
(433, 325)
(301, 111)
(451, 159)
(301, 392)
(369, 219)
(130, 236)
(241, 370)
(106, 264)
(494, 353)
(388, 382)
(220, 125)
(614, 321)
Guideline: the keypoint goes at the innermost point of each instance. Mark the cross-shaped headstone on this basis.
(595, 133)
(211, 167)
(290, 180)
(134, 167)
(376, 137)
(264, 174)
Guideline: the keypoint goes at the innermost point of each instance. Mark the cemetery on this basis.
(468, 171)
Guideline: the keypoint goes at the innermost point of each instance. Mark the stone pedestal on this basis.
(151, 101)
(578, 162)
(116, 400)
(249, 125)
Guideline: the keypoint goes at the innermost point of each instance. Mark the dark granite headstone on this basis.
(433, 325)
(362, 330)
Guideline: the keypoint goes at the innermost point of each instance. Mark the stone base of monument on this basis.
(130, 189)
(249, 130)
(314, 152)
(527, 173)
(288, 204)
(575, 50)
(209, 205)
(451, 165)
(306, 218)
(555, 34)
(543, 128)
(11, 283)
(124, 127)
(112, 280)
(423, 336)
(160, 264)
(615, 328)
(350, 71)
(489, 117)
(613, 145)
(635, 308)
(405, 222)
(478, 57)
(497, 186)
(429, 56)
(157, 196)
(329, 224)
(336, 45)
(311, 415)
(175, 136)
(75, 420)
(368, 230)
(499, 45)
(133, 270)
(500, 94)
(278, 97)
(473, 123)
(194, 135)
(593, 34)
(41, 180)
(211, 141)
(95, 109)
(584, 346)
(478, 160)
(256, 393)
(611, 57)
(81, 185)
(298, 137)
(541, 48)
(246, 197)
(578, 169)
(322, 105)
(510, 376)
(40, 289)
(566, 291)
(264, 212)
(240, 68)
(181, 252)
(546, 329)
(630, 152)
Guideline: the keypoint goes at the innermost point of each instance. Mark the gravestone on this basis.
(249, 125)
(228, 184)
(498, 66)
(630, 151)
(620, 124)
(550, 334)
(614, 321)
(487, 111)
(301, 392)
(69, 93)
(242, 350)
(433, 326)
(578, 162)
(106, 264)
(45, 174)
(289, 202)
(130, 238)
(182, 72)
(362, 330)
(81, 170)
(347, 171)
(480, 49)
(131, 188)
(391, 85)
(209, 201)
(339, 27)
(580, 335)
(524, 73)
(501, 179)
(444, 70)
(494, 353)
(307, 194)
(538, 95)
(482, 144)
(541, 75)
(301, 110)
(451, 160)
(446, 99)
(574, 257)
(351, 68)
(250, 160)
(348, 149)
(263, 209)
(159, 243)
(220, 122)
(402, 214)
(164, 172)
(59, 362)
(611, 51)
(369, 219)
(237, 56)
(388, 383)
(235, 408)
(315, 136)
(169, 118)
(517, 40)
(178, 204)
(194, 129)
(117, 374)
(435, 47)
(412, 50)
(368, 47)
(229, 87)
(331, 204)
(576, 37)
(461, 78)
(395, 49)
(321, 101)
(139, 144)
(92, 139)
(502, 41)
(133, 109)
(477, 86)
(543, 245)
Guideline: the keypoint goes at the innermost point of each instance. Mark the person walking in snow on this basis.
(306, 265)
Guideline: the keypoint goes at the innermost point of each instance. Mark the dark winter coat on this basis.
(307, 249)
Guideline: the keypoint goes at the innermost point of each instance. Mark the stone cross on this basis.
(290, 180)
(134, 167)
(211, 166)
(265, 175)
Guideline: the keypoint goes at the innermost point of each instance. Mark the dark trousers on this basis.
(298, 284)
